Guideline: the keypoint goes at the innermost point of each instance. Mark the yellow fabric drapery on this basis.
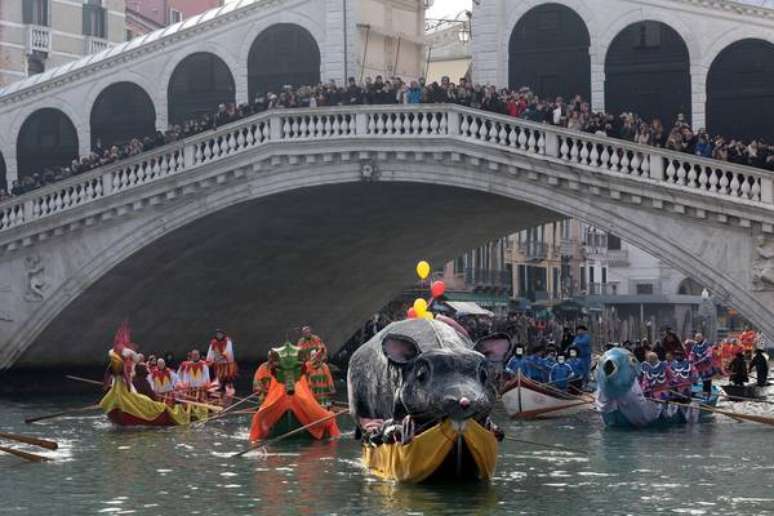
(417, 460)
(142, 407)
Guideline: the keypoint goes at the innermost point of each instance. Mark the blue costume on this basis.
(533, 368)
(577, 366)
(583, 343)
(560, 375)
(655, 377)
(515, 364)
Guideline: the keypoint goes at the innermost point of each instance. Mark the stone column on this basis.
(699, 74)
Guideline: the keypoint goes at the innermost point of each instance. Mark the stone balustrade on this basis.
(38, 39)
(653, 167)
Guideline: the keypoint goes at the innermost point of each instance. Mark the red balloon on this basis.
(411, 313)
(438, 288)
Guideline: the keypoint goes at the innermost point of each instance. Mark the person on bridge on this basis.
(221, 356)
(761, 364)
(164, 380)
(320, 380)
(309, 342)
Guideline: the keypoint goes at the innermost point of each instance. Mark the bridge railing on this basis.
(638, 162)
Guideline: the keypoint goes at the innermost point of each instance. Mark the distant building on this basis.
(37, 35)
(144, 16)
(448, 52)
(482, 275)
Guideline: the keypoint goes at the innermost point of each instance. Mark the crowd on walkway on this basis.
(573, 113)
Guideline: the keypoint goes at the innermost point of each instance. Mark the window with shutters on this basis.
(175, 16)
(94, 19)
(35, 12)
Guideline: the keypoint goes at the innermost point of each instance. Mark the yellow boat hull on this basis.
(428, 452)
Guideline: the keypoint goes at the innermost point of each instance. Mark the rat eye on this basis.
(483, 374)
(423, 373)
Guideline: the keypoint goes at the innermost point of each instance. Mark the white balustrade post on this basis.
(275, 127)
(188, 155)
(552, 144)
(361, 124)
(453, 126)
(767, 190)
(107, 184)
(28, 210)
(656, 166)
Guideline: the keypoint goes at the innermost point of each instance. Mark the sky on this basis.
(448, 8)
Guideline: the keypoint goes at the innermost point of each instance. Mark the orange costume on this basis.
(303, 405)
(312, 343)
(221, 356)
(321, 382)
(262, 380)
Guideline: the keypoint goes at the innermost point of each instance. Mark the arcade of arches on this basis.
(121, 112)
(740, 91)
(198, 85)
(283, 54)
(549, 52)
(46, 140)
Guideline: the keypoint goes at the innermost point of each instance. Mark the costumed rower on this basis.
(533, 365)
(655, 377)
(310, 341)
(582, 341)
(164, 380)
(263, 376)
(560, 374)
(578, 367)
(141, 384)
(196, 376)
(320, 380)
(683, 374)
(738, 370)
(221, 355)
(516, 363)
(703, 361)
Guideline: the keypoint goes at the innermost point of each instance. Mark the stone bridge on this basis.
(319, 215)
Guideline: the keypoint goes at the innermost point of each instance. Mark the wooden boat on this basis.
(528, 399)
(446, 451)
(744, 392)
(126, 408)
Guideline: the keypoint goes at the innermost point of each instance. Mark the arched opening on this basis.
(689, 287)
(282, 54)
(47, 140)
(121, 112)
(3, 177)
(740, 91)
(198, 85)
(549, 52)
(647, 72)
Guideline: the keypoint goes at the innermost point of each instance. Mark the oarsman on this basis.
(582, 341)
(517, 362)
(263, 376)
(164, 380)
(320, 380)
(197, 376)
(533, 365)
(761, 364)
(655, 377)
(561, 374)
(140, 382)
(671, 342)
(576, 363)
(738, 370)
(703, 360)
(683, 374)
(309, 342)
(221, 356)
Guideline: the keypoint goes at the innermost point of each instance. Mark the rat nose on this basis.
(464, 402)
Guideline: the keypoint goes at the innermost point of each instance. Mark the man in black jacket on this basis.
(761, 365)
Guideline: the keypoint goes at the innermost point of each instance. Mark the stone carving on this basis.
(368, 170)
(763, 264)
(36, 279)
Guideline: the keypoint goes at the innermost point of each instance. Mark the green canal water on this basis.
(722, 467)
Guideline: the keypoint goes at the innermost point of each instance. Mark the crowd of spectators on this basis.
(574, 113)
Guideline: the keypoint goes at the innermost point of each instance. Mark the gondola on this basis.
(744, 392)
(527, 399)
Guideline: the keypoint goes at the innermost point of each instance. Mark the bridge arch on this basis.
(549, 51)
(284, 53)
(499, 202)
(648, 72)
(740, 90)
(47, 138)
(198, 83)
(3, 175)
(121, 111)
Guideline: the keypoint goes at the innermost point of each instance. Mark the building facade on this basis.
(144, 16)
(37, 35)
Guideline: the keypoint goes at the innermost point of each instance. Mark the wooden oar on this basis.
(24, 455)
(61, 414)
(49, 445)
(543, 445)
(729, 413)
(274, 440)
(214, 408)
(84, 380)
(540, 412)
(229, 409)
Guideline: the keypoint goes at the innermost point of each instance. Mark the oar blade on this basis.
(43, 443)
(25, 455)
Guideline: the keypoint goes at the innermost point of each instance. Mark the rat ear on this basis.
(496, 347)
(400, 349)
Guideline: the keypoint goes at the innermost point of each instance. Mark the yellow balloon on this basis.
(420, 307)
(423, 269)
(428, 316)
